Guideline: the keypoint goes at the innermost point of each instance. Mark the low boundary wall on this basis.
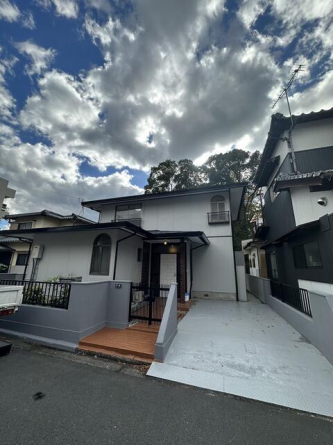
(318, 329)
(259, 287)
(92, 305)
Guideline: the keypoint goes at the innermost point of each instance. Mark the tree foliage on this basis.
(224, 168)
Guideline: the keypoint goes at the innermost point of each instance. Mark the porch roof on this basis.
(195, 237)
(124, 225)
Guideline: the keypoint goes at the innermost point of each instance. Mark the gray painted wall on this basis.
(92, 306)
(319, 328)
(259, 287)
(11, 276)
(169, 325)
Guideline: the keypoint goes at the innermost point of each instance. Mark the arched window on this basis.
(218, 209)
(100, 259)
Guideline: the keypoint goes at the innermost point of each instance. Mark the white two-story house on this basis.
(296, 175)
(183, 236)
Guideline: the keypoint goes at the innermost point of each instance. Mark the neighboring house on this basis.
(181, 236)
(255, 258)
(14, 252)
(5, 193)
(296, 170)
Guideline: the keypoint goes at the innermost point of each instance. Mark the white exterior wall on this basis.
(70, 253)
(312, 135)
(306, 207)
(186, 213)
(128, 268)
(316, 286)
(213, 267)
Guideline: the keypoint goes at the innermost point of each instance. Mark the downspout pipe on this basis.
(116, 256)
(26, 264)
(233, 248)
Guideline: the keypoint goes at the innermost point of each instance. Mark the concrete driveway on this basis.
(248, 350)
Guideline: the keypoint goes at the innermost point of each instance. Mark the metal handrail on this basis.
(218, 217)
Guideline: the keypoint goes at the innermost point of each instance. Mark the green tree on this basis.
(233, 166)
(161, 177)
(171, 175)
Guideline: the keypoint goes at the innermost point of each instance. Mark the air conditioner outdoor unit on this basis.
(37, 252)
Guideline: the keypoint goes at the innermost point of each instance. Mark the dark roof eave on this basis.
(50, 214)
(152, 196)
(294, 231)
(125, 225)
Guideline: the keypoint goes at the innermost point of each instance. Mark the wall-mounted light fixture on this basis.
(165, 243)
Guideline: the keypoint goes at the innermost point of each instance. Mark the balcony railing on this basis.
(218, 217)
(293, 296)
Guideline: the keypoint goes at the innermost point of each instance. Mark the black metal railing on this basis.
(218, 217)
(148, 302)
(43, 293)
(293, 296)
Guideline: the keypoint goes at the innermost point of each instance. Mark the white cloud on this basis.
(28, 20)
(66, 8)
(9, 11)
(40, 58)
(7, 101)
(176, 82)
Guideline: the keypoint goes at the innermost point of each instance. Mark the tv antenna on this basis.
(284, 91)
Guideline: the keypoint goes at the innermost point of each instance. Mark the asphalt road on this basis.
(84, 400)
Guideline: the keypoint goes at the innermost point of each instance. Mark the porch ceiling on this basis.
(195, 237)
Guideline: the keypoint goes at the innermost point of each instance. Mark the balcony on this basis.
(218, 217)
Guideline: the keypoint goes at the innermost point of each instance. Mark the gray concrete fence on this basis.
(92, 306)
(259, 287)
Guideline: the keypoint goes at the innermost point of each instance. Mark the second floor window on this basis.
(128, 212)
(217, 209)
(25, 225)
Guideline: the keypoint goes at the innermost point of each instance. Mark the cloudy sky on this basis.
(94, 92)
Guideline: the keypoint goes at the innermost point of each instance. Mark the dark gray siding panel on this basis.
(288, 273)
(278, 215)
(286, 166)
(315, 159)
